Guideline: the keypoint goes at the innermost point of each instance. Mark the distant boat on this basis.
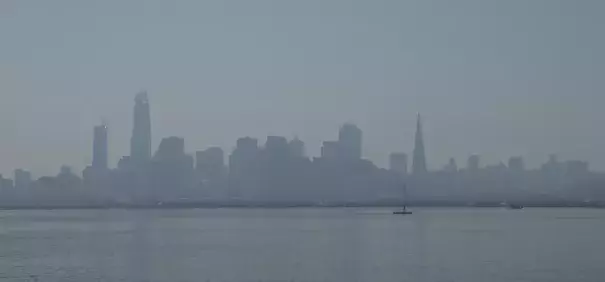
(515, 207)
(405, 210)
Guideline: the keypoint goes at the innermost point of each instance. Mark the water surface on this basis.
(473, 245)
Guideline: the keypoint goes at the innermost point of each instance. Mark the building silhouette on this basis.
(140, 142)
(23, 179)
(170, 147)
(297, 148)
(243, 155)
(330, 150)
(280, 173)
(172, 172)
(473, 163)
(210, 163)
(241, 168)
(516, 164)
(350, 141)
(5, 183)
(419, 158)
(398, 162)
(100, 148)
(451, 166)
(277, 147)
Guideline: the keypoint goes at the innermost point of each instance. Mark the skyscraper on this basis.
(516, 164)
(276, 146)
(170, 148)
(350, 139)
(23, 179)
(99, 148)
(419, 159)
(210, 163)
(473, 163)
(242, 166)
(297, 148)
(451, 166)
(140, 142)
(330, 150)
(242, 158)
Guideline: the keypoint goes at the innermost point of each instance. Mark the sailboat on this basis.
(405, 210)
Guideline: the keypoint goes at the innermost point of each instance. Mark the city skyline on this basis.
(348, 146)
(280, 171)
(349, 135)
(218, 71)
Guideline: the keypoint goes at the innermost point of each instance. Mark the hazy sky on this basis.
(497, 78)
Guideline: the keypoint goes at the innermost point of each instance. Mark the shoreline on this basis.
(283, 206)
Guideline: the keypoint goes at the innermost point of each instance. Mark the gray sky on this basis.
(497, 78)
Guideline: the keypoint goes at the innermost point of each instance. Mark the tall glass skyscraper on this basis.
(140, 143)
(99, 148)
(350, 139)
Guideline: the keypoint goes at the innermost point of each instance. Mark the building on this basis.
(210, 163)
(297, 148)
(473, 163)
(398, 162)
(125, 163)
(65, 170)
(277, 146)
(419, 158)
(67, 179)
(247, 144)
(5, 183)
(576, 168)
(171, 171)
(170, 148)
(140, 142)
(350, 141)
(100, 148)
(243, 156)
(241, 164)
(516, 164)
(451, 166)
(23, 179)
(553, 166)
(330, 150)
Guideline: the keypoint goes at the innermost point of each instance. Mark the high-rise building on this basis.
(576, 168)
(243, 156)
(297, 148)
(99, 148)
(170, 148)
(171, 170)
(516, 164)
(23, 179)
(419, 158)
(276, 146)
(451, 166)
(330, 149)
(5, 183)
(247, 144)
(213, 156)
(241, 166)
(210, 163)
(398, 162)
(125, 163)
(350, 141)
(140, 142)
(473, 163)
(65, 170)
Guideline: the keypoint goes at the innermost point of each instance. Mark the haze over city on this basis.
(495, 78)
(302, 140)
